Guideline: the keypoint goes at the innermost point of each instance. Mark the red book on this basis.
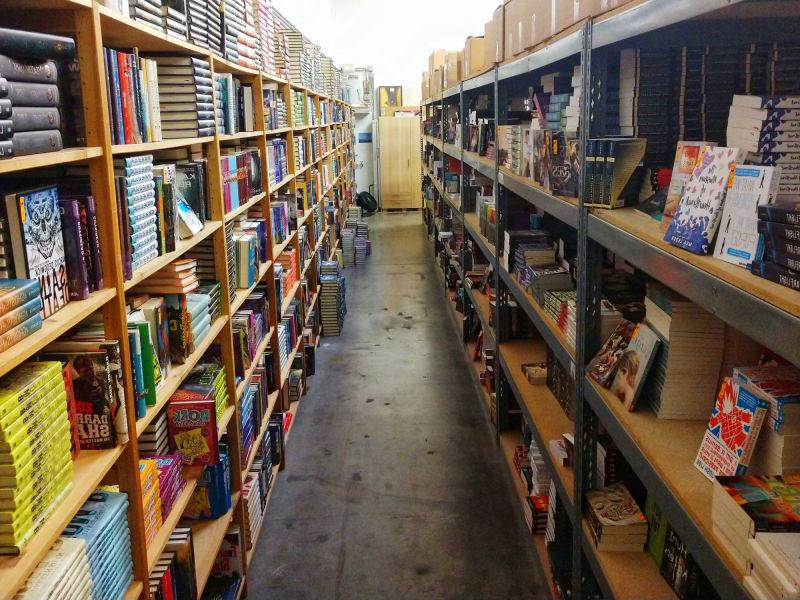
(126, 95)
(71, 411)
(192, 422)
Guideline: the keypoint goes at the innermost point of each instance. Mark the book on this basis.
(698, 214)
(686, 157)
(18, 43)
(776, 562)
(37, 243)
(777, 273)
(732, 431)
(16, 292)
(787, 212)
(749, 188)
(603, 367)
(74, 250)
(614, 519)
(634, 365)
(192, 420)
(750, 504)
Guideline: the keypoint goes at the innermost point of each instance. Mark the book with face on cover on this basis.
(634, 365)
(603, 367)
(700, 209)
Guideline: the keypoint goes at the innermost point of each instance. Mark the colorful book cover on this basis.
(685, 159)
(751, 186)
(16, 292)
(634, 365)
(192, 422)
(38, 245)
(771, 503)
(777, 385)
(603, 367)
(699, 211)
(732, 431)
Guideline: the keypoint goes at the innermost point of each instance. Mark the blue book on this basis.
(140, 391)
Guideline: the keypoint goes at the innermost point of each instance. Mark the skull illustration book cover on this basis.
(38, 244)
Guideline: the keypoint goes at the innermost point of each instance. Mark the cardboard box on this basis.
(436, 82)
(451, 71)
(426, 88)
(461, 71)
(566, 13)
(527, 23)
(488, 44)
(474, 59)
(499, 28)
(436, 60)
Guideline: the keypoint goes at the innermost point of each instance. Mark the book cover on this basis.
(750, 187)
(769, 503)
(16, 292)
(732, 432)
(19, 315)
(603, 367)
(656, 530)
(193, 428)
(781, 212)
(38, 244)
(686, 157)
(634, 365)
(74, 251)
(614, 507)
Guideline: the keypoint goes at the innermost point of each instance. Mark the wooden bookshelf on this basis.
(249, 373)
(122, 149)
(257, 199)
(207, 539)
(156, 547)
(50, 159)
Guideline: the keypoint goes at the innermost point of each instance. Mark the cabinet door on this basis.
(401, 178)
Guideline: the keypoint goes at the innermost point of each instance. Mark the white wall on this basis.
(395, 38)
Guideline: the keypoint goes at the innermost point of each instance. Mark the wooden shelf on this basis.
(310, 306)
(277, 131)
(224, 421)
(262, 346)
(48, 159)
(277, 249)
(301, 127)
(226, 66)
(134, 591)
(156, 547)
(88, 471)
(285, 181)
(245, 207)
(242, 294)
(120, 149)
(242, 135)
(123, 32)
(287, 300)
(162, 261)
(303, 170)
(302, 220)
(177, 374)
(54, 327)
(207, 539)
(287, 367)
(271, 399)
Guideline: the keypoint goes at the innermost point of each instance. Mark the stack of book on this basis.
(198, 14)
(183, 574)
(147, 12)
(173, 18)
(280, 221)
(296, 60)
(615, 521)
(254, 513)
(208, 379)
(154, 440)
(170, 481)
(151, 499)
(212, 496)
(526, 248)
(233, 27)
(348, 237)
(102, 524)
(187, 105)
(62, 573)
(277, 161)
(237, 103)
(290, 261)
(779, 247)
(774, 566)
(682, 383)
(21, 302)
(226, 573)
(295, 385)
(265, 40)
(30, 98)
(135, 188)
(284, 343)
(206, 271)
(247, 426)
(37, 464)
(332, 294)
(361, 243)
(300, 153)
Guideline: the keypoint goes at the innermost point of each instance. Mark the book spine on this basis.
(30, 72)
(122, 216)
(35, 119)
(87, 254)
(78, 280)
(125, 97)
(136, 98)
(170, 216)
(778, 214)
(115, 91)
(20, 332)
(32, 94)
(16, 42)
(777, 274)
(19, 315)
(144, 95)
(14, 298)
(36, 142)
(6, 129)
(152, 83)
(94, 241)
(5, 108)
(784, 260)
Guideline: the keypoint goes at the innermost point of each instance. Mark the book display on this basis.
(619, 246)
(150, 368)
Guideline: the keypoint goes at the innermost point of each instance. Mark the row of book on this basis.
(275, 113)
(40, 103)
(238, 110)
(277, 161)
(250, 250)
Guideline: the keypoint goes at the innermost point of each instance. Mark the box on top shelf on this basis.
(436, 60)
(494, 36)
(437, 82)
(474, 58)
(451, 72)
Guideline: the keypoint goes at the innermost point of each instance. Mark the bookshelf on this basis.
(95, 26)
(660, 452)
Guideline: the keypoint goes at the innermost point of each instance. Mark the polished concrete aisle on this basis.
(394, 486)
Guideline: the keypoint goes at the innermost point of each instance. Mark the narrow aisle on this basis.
(394, 485)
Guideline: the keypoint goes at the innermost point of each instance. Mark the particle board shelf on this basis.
(721, 288)
(278, 131)
(626, 575)
(242, 135)
(478, 81)
(243, 293)
(48, 159)
(472, 223)
(562, 208)
(287, 300)
(121, 149)
(207, 539)
(509, 441)
(285, 181)
(177, 374)
(162, 261)
(662, 452)
(547, 327)
(483, 307)
(156, 546)
(89, 469)
(262, 346)
(53, 327)
(245, 207)
(483, 165)
(544, 414)
(272, 398)
(250, 553)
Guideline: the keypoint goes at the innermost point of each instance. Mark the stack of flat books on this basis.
(62, 573)
(779, 229)
(198, 12)
(154, 440)
(173, 18)
(147, 12)
(178, 277)
(332, 292)
(135, 184)
(20, 301)
(187, 109)
(615, 521)
(151, 498)
(170, 481)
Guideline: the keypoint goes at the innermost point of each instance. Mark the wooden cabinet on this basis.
(400, 174)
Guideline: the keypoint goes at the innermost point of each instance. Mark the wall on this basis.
(395, 38)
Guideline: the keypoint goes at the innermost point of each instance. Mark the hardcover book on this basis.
(732, 432)
(193, 428)
(698, 214)
(634, 365)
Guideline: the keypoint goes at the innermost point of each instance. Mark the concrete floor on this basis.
(394, 486)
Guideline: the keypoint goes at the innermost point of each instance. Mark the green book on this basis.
(656, 530)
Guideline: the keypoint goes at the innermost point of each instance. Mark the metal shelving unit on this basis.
(730, 293)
